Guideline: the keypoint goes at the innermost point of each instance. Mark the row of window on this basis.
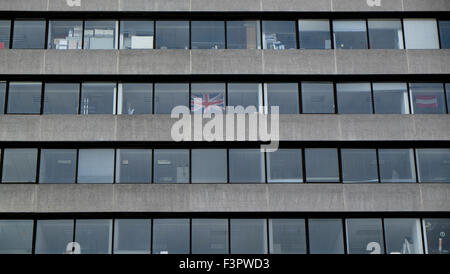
(141, 166)
(161, 98)
(250, 34)
(225, 236)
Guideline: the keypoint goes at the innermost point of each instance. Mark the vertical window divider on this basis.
(367, 34)
(151, 235)
(2, 152)
(83, 25)
(410, 99)
(153, 170)
(384, 235)
(267, 235)
(154, 34)
(303, 165)
(116, 99)
(307, 236)
(229, 235)
(5, 107)
(33, 244)
(372, 97)
(261, 33)
(190, 166)
(190, 96)
(190, 235)
(300, 99)
(38, 164)
(416, 164)
(47, 31)
(344, 235)
(228, 164)
(115, 166)
(79, 97)
(41, 109)
(117, 44)
(265, 166)
(190, 34)
(403, 34)
(423, 232)
(331, 34)
(153, 97)
(297, 34)
(341, 176)
(378, 164)
(226, 97)
(74, 230)
(77, 164)
(447, 107)
(11, 33)
(439, 34)
(225, 33)
(112, 235)
(336, 108)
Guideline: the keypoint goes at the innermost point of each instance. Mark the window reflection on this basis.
(437, 236)
(433, 165)
(444, 32)
(427, 98)
(403, 236)
(326, 236)
(284, 166)
(24, 98)
(98, 98)
(61, 98)
(53, 236)
(248, 236)
(397, 165)
(5, 29)
(390, 98)
(350, 34)
(100, 34)
(279, 35)
(29, 34)
(317, 97)
(364, 236)
(287, 236)
(2, 96)
(314, 34)
(96, 166)
(136, 34)
(359, 166)
(245, 95)
(421, 34)
(132, 236)
(385, 34)
(210, 236)
(246, 166)
(135, 98)
(16, 236)
(134, 166)
(58, 166)
(354, 98)
(321, 165)
(65, 34)
(171, 166)
(172, 34)
(243, 35)
(283, 95)
(94, 236)
(19, 165)
(209, 166)
(207, 34)
(168, 96)
(171, 236)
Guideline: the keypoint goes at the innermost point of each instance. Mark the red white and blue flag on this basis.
(208, 103)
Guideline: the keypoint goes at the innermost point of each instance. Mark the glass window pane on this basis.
(209, 166)
(317, 97)
(364, 236)
(397, 165)
(2, 97)
(134, 166)
(421, 34)
(100, 34)
(284, 166)
(94, 236)
(16, 236)
(243, 35)
(314, 34)
(132, 236)
(24, 97)
(246, 166)
(29, 34)
(168, 96)
(437, 236)
(171, 166)
(98, 98)
(171, 236)
(245, 95)
(359, 166)
(427, 98)
(354, 98)
(403, 236)
(53, 236)
(65, 34)
(279, 35)
(58, 166)
(248, 236)
(385, 34)
(61, 98)
(350, 34)
(325, 236)
(209, 236)
(19, 165)
(5, 29)
(172, 34)
(444, 31)
(287, 236)
(136, 34)
(207, 34)
(135, 99)
(283, 95)
(433, 165)
(208, 98)
(390, 98)
(321, 165)
(96, 166)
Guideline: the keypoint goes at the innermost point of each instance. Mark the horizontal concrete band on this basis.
(225, 198)
(230, 62)
(225, 5)
(157, 128)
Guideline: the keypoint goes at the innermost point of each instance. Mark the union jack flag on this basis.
(208, 103)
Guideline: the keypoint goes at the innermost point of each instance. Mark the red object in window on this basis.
(426, 101)
(2, 45)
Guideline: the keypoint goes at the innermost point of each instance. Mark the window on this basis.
(29, 34)
(421, 34)
(397, 165)
(132, 236)
(168, 96)
(284, 166)
(359, 166)
(385, 34)
(98, 98)
(136, 34)
(65, 34)
(365, 236)
(96, 166)
(24, 97)
(135, 99)
(390, 98)
(283, 95)
(209, 236)
(444, 31)
(437, 236)
(5, 29)
(16, 236)
(94, 236)
(19, 165)
(433, 165)
(317, 97)
(209, 166)
(314, 34)
(171, 236)
(100, 34)
(321, 165)
(403, 236)
(208, 98)
(350, 34)
(245, 95)
(246, 166)
(427, 98)
(287, 236)
(2, 97)
(354, 98)
(325, 236)
(58, 166)
(207, 34)
(61, 98)
(134, 166)
(243, 35)
(172, 34)
(171, 166)
(53, 236)
(248, 236)
(279, 35)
